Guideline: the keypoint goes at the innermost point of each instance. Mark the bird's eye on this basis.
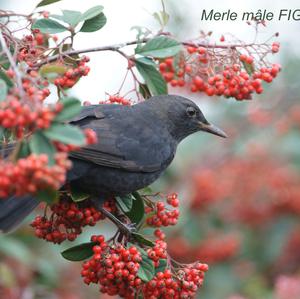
(191, 111)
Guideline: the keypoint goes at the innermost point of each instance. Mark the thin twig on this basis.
(117, 48)
(13, 66)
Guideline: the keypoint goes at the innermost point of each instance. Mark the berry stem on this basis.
(117, 47)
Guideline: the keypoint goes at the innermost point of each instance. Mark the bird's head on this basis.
(183, 116)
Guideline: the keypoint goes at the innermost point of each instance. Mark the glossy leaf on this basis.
(162, 17)
(152, 77)
(24, 150)
(92, 12)
(6, 79)
(248, 67)
(66, 134)
(48, 26)
(94, 24)
(49, 196)
(142, 240)
(40, 144)
(77, 194)
(71, 17)
(160, 47)
(52, 68)
(47, 2)
(162, 266)
(3, 90)
(57, 17)
(124, 203)
(144, 91)
(1, 134)
(146, 271)
(71, 108)
(80, 252)
(137, 212)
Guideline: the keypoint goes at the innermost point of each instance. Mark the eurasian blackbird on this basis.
(135, 145)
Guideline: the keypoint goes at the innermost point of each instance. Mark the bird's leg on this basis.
(125, 229)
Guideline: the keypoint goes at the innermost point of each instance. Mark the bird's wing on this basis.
(129, 147)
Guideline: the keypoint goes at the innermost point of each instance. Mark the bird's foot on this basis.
(125, 229)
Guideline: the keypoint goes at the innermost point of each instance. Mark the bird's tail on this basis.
(13, 211)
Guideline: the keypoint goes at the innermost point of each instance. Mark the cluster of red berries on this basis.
(238, 80)
(264, 177)
(217, 248)
(30, 174)
(157, 252)
(18, 117)
(275, 47)
(36, 93)
(114, 268)
(32, 47)
(116, 99)
(184, 283)
(159, 234)
(67, 220)
(72, 75)
(160, 215)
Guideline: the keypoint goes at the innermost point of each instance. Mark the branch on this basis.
(117, 47)
(5, 14)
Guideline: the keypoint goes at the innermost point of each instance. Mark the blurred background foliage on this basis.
(240, 197)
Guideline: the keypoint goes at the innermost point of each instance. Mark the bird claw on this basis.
(125, 229)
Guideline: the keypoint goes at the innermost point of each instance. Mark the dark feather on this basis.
(122, 147)
(14, 210)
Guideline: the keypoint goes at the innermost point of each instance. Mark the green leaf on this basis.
(3, 90)
(57, 17)
(72, 107)
(144, 91)
(1, 134)
(92, 12)
(7, 80)
(142, 240)
(146, 271)
(125, 203)
(154, 80)
(156, 16)
(71, 17)
(77, 194)
(46, 2)
(40, 144)
(165, 17)
(80, 252)
(137, 212)
(4, 61)
(5, 135)
(66, 134)
(49, 196)
(48, 26)
(94, 24)
(24, 150)
(248, 67)
(52, 71)
(160, 47)
(52, 68)
(162, 266)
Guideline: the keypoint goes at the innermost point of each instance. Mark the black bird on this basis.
(135, 145)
